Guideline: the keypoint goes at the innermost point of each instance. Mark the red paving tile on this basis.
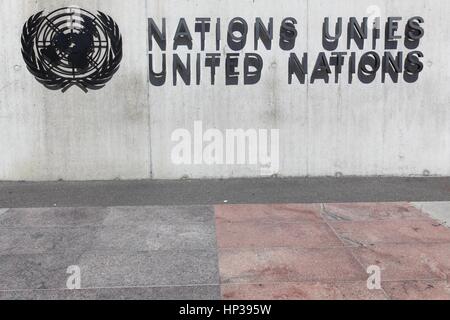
(288, 265)
(257, 235)
(288, 252)
(418, 290)
(407, 261)
(264, 213)
(395, 231)
(371, 211)
(302, 291)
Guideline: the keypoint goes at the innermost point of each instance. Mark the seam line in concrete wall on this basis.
(149, 120)
(307, 89)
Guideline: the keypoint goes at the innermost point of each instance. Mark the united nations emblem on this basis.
(71, 46)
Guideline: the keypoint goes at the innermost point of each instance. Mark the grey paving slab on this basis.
(156, 236)
(46, 240)
(209, 292)
(116, 238)
(437, 210)
(110, 269)
(37, 271)
(155, 268)
(114, 247)
(79, 216)
(53, 217)
(156, 215)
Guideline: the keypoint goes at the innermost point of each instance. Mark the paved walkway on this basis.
(214, 191)
(279, 251)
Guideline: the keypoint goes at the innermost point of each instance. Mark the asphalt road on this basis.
(192, 192)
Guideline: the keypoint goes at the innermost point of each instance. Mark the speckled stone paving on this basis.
(278, 251)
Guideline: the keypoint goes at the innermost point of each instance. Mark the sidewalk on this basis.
(217, 191)
(244, 251)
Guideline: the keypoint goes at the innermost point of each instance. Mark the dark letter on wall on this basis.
(231, 64)
(263, 33)
(392, 66)
(183, 36)
(322, 69)
(329, 42)
(158, 79)
(299, 69)
(368, 67)
(414, 32)
(183, 70)
(288, 34)
(376, 32)
(391, 29)
(337, 60)
(413, 66)
(213, 61)
(218, 38)
(202, 25)
(235, 42)
(357, 32)
(155, 33)
(255, 61)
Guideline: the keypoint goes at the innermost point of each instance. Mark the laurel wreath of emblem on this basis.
(71, 46)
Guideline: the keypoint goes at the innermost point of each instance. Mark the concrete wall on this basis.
(124, 130)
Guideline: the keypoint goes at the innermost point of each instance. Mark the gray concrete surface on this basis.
(124, 130)
(438, 210)
(126, 253)
(202, 252)
(211, 292)
(356, 129)
(51, 135)
(192, 192)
